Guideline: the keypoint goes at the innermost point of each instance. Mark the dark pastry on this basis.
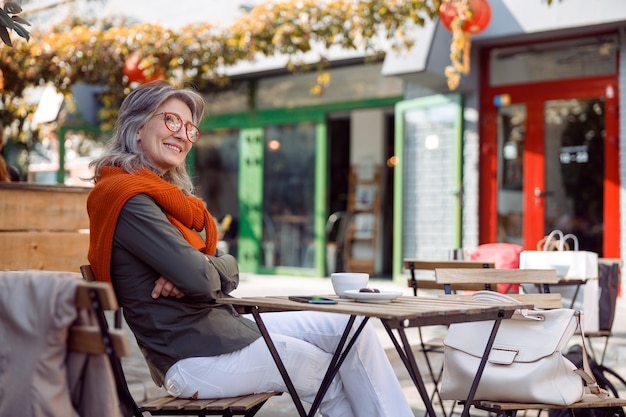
(369, 290)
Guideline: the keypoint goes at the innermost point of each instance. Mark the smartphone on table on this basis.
(312, 299)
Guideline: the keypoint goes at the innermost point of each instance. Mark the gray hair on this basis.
(122, 150)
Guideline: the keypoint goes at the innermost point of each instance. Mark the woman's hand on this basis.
(163, 287)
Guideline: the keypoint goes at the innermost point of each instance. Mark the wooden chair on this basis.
(435, 345)
(511, 409)
(430, 265)
(545, 300)
(246, 405)
(490, 277)
(38, 304)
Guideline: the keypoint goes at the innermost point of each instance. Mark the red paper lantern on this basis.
(476, 24)
(137, 74)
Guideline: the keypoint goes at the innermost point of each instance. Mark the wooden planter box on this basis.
(43, 227)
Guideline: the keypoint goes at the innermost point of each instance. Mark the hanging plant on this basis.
(463, 18)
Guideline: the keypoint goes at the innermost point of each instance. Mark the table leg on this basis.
(338, 357)
(575, 296)
(279, 362)
(408, 358)
(436, 377)
(336, 361)
(481, 367)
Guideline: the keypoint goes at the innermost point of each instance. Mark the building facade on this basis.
(366, 163)
(388, 163)
(542, 142)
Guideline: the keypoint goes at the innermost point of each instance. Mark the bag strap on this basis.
(573, 238)
(551, 238)
(586, 373)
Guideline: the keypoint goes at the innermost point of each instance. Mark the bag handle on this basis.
(492, 296)
(574, 239)
(550, 237)
(586, 373)
(556, 239)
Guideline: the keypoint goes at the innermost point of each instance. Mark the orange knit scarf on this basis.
(115, 186)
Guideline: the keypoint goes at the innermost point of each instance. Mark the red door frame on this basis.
(534, 95)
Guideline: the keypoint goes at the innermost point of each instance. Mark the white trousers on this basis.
(365, 386)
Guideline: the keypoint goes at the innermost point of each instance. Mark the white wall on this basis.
(366, 136)
(530, 16)
(367, 147)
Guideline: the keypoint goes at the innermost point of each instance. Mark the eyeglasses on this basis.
(174, 123)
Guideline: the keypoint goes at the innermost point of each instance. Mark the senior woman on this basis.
(156, 243)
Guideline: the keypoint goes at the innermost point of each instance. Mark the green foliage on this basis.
(9, 20)
(93, 51)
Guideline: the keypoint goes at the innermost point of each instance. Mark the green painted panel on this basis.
(250, 198)
(279, 116)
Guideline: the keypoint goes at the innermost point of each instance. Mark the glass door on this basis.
(264, 179)
(511, 123)
(216, 174)
(557, 169)
(574, 135)
(549, 131)
(288, 196)
(427, 183)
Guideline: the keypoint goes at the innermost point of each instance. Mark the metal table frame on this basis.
(403, 313)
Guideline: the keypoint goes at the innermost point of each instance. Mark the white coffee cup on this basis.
(343, 281)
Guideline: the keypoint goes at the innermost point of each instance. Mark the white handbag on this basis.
(525, 364)
(553, 252)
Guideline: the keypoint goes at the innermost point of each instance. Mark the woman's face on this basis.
(164, 148)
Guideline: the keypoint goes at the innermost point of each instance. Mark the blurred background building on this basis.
(385, 162)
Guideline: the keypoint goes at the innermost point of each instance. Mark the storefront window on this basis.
(217, 179)
(231, 99)
(548, 61)
(80, 147)
(511, 124)
(359, 82)
(574, 165)
(288, 190)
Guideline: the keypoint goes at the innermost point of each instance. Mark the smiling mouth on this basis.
(175, 148)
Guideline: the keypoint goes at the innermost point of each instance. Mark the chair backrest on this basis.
(488, 277)
(430, 265)
(63, 380)
(127, 402)
(504, 256)
(97, 296)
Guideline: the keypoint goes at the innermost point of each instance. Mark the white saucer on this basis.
(372, 297)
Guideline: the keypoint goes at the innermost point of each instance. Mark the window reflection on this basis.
(559, 60)
(217, 178)
(231, 99)
(574, 149)
(511, 143)
(289, 186)
(342, 84)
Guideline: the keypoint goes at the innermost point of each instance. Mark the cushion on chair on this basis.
(504, 256)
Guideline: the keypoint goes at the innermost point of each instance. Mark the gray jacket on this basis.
(38, 376)
(146, 246)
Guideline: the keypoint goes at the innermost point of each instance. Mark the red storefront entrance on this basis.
(549, 143)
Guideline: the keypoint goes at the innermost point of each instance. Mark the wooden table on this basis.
(400, 314)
